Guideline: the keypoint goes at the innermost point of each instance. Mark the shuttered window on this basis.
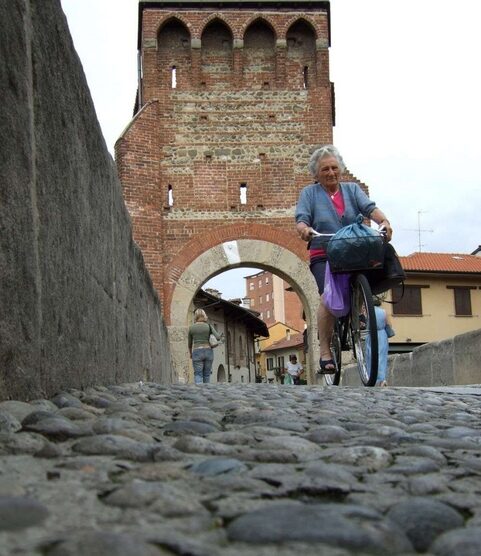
(462, 302)
(409, 303)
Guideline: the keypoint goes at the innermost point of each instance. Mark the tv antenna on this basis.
(419, 230)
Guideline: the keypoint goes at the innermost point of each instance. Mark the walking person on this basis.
(326, 206)
(201, 353)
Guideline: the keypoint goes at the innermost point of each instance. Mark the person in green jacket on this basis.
(201, 353)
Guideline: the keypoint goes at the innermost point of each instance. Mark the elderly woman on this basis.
(326, 206)
(200, 351)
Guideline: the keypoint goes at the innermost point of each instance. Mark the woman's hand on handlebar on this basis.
(385, 229)
(306, 233)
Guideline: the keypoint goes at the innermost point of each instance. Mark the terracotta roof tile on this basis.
(441, 262)
(295, 340)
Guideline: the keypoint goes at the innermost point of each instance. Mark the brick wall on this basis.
(232, 99)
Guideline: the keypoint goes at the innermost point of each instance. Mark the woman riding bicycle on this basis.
(326, 206)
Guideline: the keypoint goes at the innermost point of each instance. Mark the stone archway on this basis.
(235, 254)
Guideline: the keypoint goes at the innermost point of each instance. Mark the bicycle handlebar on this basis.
(382, 232)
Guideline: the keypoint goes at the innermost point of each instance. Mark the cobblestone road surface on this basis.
(144, 470)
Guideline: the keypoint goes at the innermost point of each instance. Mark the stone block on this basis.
(467, 358)
(442, 363)
(401, 371)
(421, 371)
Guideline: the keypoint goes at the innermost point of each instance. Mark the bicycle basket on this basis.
(355, 247)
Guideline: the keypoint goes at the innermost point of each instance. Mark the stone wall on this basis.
(455, 361)
(77, 303)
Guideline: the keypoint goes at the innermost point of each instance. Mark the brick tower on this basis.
(233, 97)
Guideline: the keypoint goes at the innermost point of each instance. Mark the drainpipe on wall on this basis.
(229, 376)
(248, 359)
(139, 77)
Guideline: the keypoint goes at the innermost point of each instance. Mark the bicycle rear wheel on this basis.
(335, 378)
(364, 330)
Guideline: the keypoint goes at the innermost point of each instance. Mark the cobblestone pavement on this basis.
(144, 470)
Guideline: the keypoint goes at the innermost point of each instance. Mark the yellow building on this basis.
(442, 298)
(269, 360)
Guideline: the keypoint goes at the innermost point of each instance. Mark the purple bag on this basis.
(336, 293)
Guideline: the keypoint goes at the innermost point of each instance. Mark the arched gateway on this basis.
(232, 254)
(233, 97)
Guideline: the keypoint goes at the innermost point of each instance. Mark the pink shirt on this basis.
(338, 202)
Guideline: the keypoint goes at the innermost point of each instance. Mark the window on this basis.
(251, 286)
(270, 363)
(260, 300)
(170, 196)
(268, 314)
(174, 77)
(462, 301)
(305, 77)
(261, 316)
(267, 279)
(243, 193)
(267, 298)
(409, 303)
(252, 302)
(280, 362)
(260, 283)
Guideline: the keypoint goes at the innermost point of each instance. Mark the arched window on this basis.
(259, 55)
(301, 54)
(173, 54)
(221, 377)
(217, 57)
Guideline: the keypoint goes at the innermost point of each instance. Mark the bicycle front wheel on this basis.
(364, 330)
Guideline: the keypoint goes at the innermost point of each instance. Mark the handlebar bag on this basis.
(390, 275)
(355, 247)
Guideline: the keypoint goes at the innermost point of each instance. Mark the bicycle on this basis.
(357, 331)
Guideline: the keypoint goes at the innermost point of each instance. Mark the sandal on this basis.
(382, 383)
(324, 370)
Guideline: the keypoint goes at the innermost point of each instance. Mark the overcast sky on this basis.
(408, 117)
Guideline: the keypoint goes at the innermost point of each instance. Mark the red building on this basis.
(273, 298)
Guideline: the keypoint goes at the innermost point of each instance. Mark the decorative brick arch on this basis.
(194, 249)
(225, 255)
(173, 17)
(213, 17)
(262, 18)
(305, 19)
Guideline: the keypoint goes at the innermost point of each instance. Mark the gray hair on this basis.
(200, 315)
(323, 152)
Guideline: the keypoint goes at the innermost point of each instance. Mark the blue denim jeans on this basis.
(202, 359)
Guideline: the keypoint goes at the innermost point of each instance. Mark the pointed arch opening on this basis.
(174, 54)
(301, 54)
(259, 55)
(217, 54)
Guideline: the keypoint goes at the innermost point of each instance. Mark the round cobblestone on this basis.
(244, 470)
